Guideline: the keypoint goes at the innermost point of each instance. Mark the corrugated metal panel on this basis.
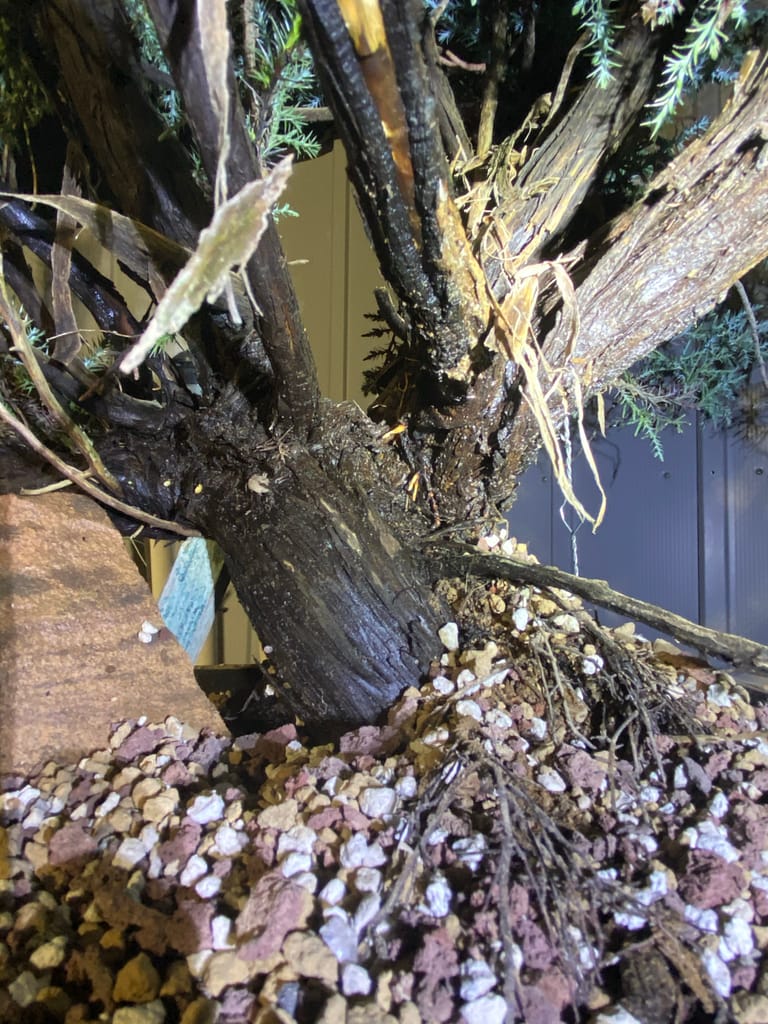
(747, 541)
(530, 519)
(648, 542)
(689, 534)
(733, 487)
(647, 545)
(713, 530)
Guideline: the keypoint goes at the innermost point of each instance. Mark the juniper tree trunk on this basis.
(321, 542)
(344, 607)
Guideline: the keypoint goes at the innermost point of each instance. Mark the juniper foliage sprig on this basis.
(598, 18)
(704, 370)
(278, 70)
(151, 52)
(704, 40)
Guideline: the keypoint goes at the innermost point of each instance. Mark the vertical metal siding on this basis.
(648, 543)
(714, 561)
(747, 541)
(689, 534)
(531, 517)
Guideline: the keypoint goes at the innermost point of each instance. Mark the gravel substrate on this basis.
(491, 854)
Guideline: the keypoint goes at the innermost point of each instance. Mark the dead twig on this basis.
(752, 320)
(445, 783)
(463, 559)
(563, 688)
(26, 353)
(81, 478)
(451, 60)
(511, 991)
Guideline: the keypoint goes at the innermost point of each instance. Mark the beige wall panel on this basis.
(335, 284)
(239, 643)
(361, 279)
(314, 246)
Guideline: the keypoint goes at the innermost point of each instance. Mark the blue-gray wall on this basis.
(689, 533)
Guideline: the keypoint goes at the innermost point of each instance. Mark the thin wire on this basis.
(564, 508)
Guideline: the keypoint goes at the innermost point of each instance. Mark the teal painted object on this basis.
(186, 603)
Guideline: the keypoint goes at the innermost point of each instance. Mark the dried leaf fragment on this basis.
(229, 241)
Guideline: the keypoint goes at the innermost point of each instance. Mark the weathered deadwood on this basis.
(379, 86)
(667, 260)
(539, 201)
(462, 560)
(362, 91)
(453, 132)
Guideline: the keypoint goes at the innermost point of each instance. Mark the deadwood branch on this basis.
(462, 559)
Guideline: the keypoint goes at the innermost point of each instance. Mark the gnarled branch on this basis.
(462, 559)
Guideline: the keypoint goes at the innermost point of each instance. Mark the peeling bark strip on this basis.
(147, 169)
(229, 241)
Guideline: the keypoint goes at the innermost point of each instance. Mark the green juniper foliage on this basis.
(715, 27)
(166, 97)
(705, 370)
(704, 40)
(273, 66)
(278, 80)
(599, 19)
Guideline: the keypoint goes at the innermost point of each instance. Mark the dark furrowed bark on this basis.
(322, 549)
(152, 177)
(346, 609)
(148, 172)
(384, 193)
(464, 432)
